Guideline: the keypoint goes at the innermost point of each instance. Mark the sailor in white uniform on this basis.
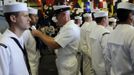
(13, 56)
(86, 29)
(66, 41)
(120, 48)
(98, 39)
(30, 42)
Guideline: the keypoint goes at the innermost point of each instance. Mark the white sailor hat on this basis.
(87, 15)
(125, 5)
(100, 14)
(79, 10)
(15, 7)
(60, 8)
(32, 10)
(112, 20)
(78, 17)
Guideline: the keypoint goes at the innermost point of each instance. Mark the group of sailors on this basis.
(95, 47)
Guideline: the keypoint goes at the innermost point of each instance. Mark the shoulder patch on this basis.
(3, 45)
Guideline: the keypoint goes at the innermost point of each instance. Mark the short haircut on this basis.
(123, 14)
(7, 16)
(99, 19)
(30, 15)
(87, 18)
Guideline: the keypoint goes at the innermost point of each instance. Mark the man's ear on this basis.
(103, 19)
(130, 18)
(13, 18)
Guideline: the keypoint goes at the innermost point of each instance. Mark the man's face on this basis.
(23, 20)
(61, 18)
(34, 19)
(132, 18)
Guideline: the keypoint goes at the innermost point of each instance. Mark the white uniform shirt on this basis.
(98, 39)
(85, 47)
(110, 28)
(120, 50)
(33, 53)
(68, 38)
(86, 29)
(11, 58)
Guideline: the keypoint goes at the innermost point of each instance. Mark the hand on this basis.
(36, 33)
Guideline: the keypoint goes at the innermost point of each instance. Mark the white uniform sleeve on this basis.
(104, 40)
(107, 57)
(65, 38)
(106, 53)
(132, 52)
(4, 61)
(88, 43)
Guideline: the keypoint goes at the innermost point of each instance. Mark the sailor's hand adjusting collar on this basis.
(33, 27)
(36, 33)
(49, 41)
